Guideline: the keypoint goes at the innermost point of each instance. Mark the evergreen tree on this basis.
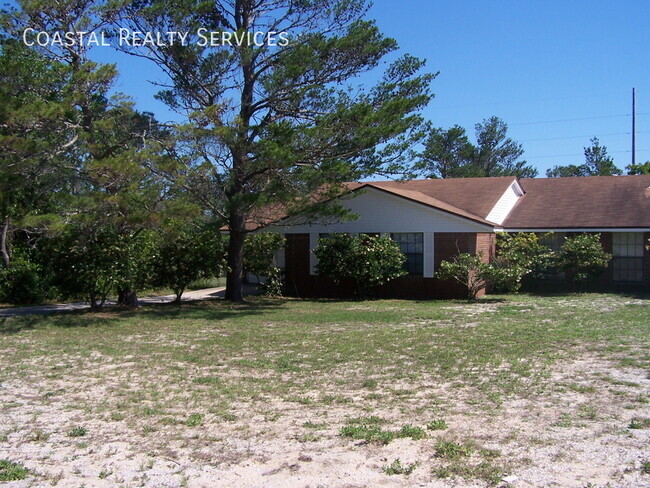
(450, 154)
(270, 123)
(33, 136)
(597, 163)
(447, 153)
(110, 185)
(496, 154)
(638, 169)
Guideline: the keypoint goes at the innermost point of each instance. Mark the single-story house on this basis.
(433, 220)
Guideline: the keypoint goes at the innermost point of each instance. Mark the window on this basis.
(554, 241)
(412, 245)
(627, 251)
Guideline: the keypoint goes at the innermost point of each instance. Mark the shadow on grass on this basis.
(635, 294)
(347, 300)
(199, 310)
(477, 301)
(12, 325)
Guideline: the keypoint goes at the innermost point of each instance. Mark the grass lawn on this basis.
(338, 393)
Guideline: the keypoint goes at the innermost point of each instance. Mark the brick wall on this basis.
(450, 244)
(485, 243)
(446, 246)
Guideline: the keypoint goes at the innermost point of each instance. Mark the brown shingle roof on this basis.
(582, 202)
(476, 196)
(548, 203)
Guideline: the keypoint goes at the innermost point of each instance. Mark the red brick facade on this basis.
(446, 245)
(450, 244)
(485, 244)
(299, 282)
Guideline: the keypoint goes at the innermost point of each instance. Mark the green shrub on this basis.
(438, 424)
(504, 276)
(415, 433)
(194, 420)
(93, 262)
(639, 423)
(188, 252)
(524, 249)
(367, 429)
(518, 255)
(259, 252)
(452, 449)
(582, 257)
(486, 471)
(364, 260)
(467, 269)
(77, 431)
(23, 282)
(368, 433)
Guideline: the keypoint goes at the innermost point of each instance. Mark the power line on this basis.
(580, 137)
(577, 119)
(575, 155)
(500, 103)
(570, 120)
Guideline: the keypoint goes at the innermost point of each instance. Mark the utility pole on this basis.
(633, 126)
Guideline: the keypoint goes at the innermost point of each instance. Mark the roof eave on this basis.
(577, 229)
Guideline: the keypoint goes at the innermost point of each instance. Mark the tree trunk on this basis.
(234, 278)
(179, 293)
(127, 298)
(4, 244)
(240, 151)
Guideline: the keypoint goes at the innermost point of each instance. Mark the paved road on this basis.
(205, 294)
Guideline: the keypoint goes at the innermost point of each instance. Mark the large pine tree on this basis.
(268, 124)
(450, 154)
(94, 135)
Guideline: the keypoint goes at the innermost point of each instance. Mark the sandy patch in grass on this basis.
(570, 431)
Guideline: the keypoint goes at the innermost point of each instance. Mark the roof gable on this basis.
(382, 211)
(477, 196)
(506, 203)
(421, 198)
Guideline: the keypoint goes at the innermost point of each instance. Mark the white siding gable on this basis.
(379, 211)
(505, 204)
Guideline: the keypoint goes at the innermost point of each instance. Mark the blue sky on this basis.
(558, 72)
